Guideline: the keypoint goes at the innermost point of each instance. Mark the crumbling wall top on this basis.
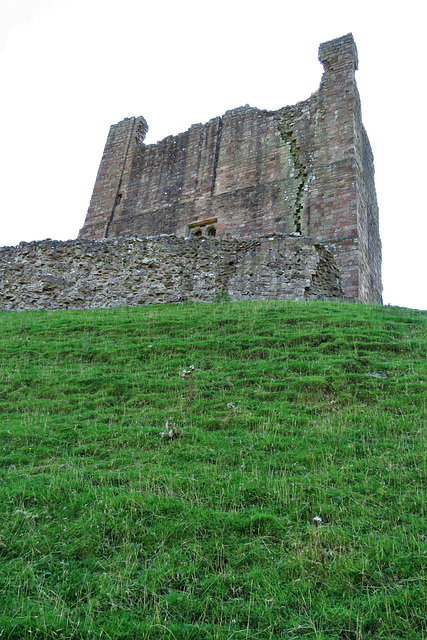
(340, 53)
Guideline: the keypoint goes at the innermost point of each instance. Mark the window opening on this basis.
(203, 227)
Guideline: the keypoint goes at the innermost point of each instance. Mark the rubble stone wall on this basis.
(136, 271)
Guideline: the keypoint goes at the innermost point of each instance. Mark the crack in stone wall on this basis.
(301, 174)
(216, 158)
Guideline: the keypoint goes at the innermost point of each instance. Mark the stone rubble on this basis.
(83, 274)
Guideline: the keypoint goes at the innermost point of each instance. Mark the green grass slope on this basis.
(109, 530)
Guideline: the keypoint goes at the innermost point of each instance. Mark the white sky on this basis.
(71, 68)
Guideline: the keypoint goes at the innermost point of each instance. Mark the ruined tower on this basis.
(305, 169)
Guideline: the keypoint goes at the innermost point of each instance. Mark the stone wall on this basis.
(135, 271)
(307, 169)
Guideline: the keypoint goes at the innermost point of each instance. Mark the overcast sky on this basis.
(71, 68)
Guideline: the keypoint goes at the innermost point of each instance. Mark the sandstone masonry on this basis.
(305, 169)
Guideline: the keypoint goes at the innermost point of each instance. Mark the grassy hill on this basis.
(117, 525)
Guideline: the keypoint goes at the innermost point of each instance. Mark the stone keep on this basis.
(305, 169)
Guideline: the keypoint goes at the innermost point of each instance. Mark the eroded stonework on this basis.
(305, 169)
(122, 271)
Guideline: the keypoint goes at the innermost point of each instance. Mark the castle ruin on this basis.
(253, 205)
(303, 170)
